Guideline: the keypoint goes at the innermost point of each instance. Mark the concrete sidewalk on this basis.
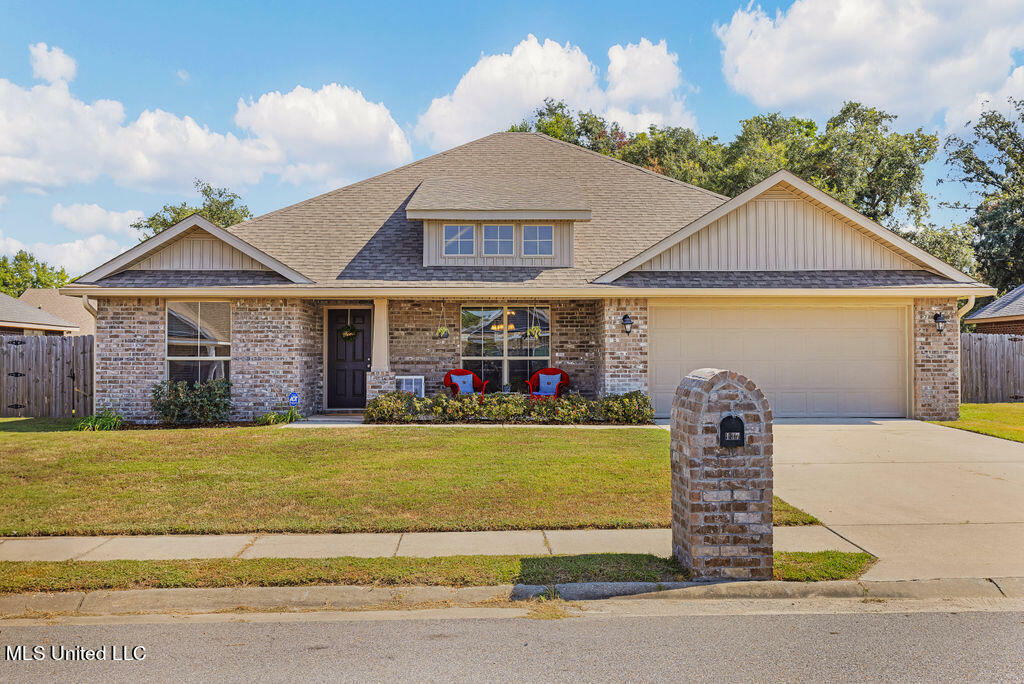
(412, 544)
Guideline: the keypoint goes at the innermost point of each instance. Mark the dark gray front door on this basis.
(348, 360)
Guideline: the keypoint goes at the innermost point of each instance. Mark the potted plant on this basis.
(533, 331)
(442, 332)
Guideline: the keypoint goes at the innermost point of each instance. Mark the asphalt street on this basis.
(896, 646)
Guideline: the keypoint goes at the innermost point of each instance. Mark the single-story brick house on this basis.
(447, 262)
(22, 318)
(1004, 316)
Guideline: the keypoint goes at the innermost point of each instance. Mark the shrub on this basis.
(106, 419)
(391, 407)
(192, 403)
(567, 409)
(274, 418)
(632, 408)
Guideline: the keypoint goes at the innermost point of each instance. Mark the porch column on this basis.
(380, 379)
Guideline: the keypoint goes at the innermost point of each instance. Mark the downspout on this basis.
(965, 308)
(92, 309)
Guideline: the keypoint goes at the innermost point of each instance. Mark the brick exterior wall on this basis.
(721, 496)
(622, 358)
(936, 361)
(129, 349)
(274, 352)
(1001, 327)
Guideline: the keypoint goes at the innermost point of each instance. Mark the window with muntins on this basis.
(499, 240)
(506, 344)
(538, 241)
(198, 341)
(458, 240)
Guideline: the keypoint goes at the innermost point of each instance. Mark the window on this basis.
(410, 383)
(506, 344)
(198, 341)
(537, 241)
(458, 240)
(498, 241)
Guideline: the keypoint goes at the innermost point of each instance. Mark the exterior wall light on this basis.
(627, 324)
(940, 322)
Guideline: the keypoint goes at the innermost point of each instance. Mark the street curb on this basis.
(339, 597)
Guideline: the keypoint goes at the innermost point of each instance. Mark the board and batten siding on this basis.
(778, 231)
(562, 247)
(198, 251)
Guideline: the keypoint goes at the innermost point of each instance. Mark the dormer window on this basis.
(499, 240)
(458, 240)
(538, 240)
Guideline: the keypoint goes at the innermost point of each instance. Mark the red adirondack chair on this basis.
(535, 385)
(478, 384)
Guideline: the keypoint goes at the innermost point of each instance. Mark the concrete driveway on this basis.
(929, 501)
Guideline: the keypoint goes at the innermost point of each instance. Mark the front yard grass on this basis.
(455, 571)
(998, 420)
(379, 479)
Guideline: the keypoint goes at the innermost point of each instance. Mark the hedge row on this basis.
(633, 408)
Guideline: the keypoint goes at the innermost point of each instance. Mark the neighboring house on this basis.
(73, 309)
(340, 297)
(20, 318)
(1004, 315)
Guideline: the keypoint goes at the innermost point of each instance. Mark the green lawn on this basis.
(998, 420)
(55, 481)
(17, 577)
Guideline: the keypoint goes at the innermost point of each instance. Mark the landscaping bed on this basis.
(454, 571)
(998, 420)
(54, 481)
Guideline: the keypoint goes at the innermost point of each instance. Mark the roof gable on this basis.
(194, 243)
(23, 314)
(783, 224)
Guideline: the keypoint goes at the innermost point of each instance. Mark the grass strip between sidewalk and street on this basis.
(454, 571)
(998, 420)
(373, 479)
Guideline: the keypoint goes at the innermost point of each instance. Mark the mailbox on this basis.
(730, 432)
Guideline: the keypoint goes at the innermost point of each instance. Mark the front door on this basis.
(348, 357)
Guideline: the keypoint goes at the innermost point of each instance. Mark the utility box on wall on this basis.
(722, 476)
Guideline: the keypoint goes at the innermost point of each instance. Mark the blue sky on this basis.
(115, 107)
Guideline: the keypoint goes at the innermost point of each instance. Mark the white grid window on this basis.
(458, 240)
(506, 345)
(538, 241)
(499, 240)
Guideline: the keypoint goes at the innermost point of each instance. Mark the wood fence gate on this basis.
(46, 376)
(991, 368)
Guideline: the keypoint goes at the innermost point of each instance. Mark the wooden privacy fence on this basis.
(991, 368)
(46, 376)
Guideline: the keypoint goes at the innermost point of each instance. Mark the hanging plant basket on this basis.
(348, 332)
(534, 332)
(442, 332)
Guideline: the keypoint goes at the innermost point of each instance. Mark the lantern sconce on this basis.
(940, 322)
(627, 324)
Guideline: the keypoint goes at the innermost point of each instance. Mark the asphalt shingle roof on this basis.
(1010, 304)
(783, 279)
(63, 306)
(499, 192)
(15, 311)
(210, 278)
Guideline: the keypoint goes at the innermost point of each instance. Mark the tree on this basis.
(991, 160)
(954, 245)
(220, 205)
(856, 157)
(25, 271)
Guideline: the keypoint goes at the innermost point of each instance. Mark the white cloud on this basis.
(51, 64)
(77, 256)
(331, 133)
(912, 58)
(92, 218)
(958, 117)
(50, 138)
(182, 75)
(505, 88)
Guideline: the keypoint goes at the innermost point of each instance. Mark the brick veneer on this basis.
(622, 358)
(721, 496)
(936, 361)
(129, 355)
(1001, 327)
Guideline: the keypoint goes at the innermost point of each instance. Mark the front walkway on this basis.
(412, 544)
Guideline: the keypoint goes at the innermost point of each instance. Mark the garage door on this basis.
(810, 361)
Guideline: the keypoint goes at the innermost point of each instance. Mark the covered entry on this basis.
(811, 359)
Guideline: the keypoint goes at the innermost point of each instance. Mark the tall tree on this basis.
(25, 271)
(220, 205)
(954, 245)
(991, 161)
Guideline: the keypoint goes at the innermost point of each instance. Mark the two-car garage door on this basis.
(809, 360)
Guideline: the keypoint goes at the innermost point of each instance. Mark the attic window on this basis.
(537, 241)
(499, 241)
(458, 240)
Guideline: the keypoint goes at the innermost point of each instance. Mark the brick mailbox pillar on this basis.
(722, 476)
